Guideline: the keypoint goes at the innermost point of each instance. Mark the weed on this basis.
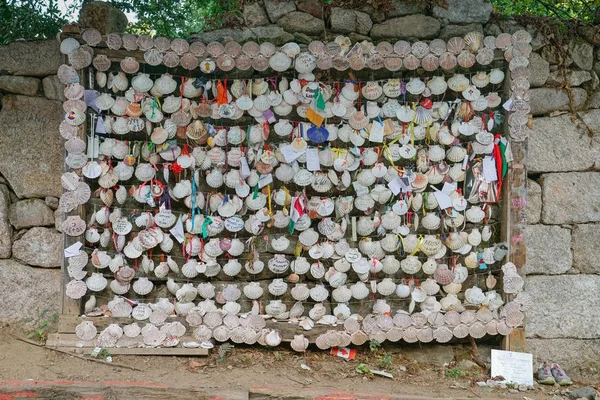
(278, 356)
(41, 332)
(386, 361)
(454, 373)
(374, 345)
(363, 369)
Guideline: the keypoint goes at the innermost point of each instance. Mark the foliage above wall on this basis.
(32, 19)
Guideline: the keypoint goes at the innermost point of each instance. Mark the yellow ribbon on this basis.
(388, 155)
(419, 242)
(269, 197)
(298, 249)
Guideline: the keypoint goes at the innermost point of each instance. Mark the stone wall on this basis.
(563, 208)
(31, 161)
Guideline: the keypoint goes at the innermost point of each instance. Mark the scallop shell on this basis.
(86, 330)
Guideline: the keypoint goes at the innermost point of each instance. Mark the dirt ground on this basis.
(245, 367)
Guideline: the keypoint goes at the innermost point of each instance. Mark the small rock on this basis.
(254, 15)
(20, 85)
(297, 21)
(5, 227)
(278, 8)
(582, 53)
(29, 213)
(347, 21)
(540, 70)
(103, 16)
(59, 217)
(481, 384)
(467, 365)
(404, 7)
(41, 247)
(51, 202)
(313, 7)
(586, 393)
(53, 88)
(513, 391)
(523, 388)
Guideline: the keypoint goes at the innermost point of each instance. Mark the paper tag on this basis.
(295, 166)
(100, 125)
(360, 189)
(245, 169)
(507, 104)
(395, 186)
(265, 180)
(443, 200)
(73, 250)
(376, 132)
(489, 169)
(464, 163)
(312, 159)
(177, 230)
(289, 154)
(449, 188)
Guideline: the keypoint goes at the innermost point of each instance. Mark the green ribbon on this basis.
(207, 221)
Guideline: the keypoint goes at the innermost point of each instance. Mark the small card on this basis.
(265, 180)
(449, 188)
(289, 154)
(490, 173)
(177, 230)
(312, 159)
(73, 250)
(269, 116)
(395, 186)
(100, 125)
(245, 169)
(376, 132)
(443, 199)
(507, 104)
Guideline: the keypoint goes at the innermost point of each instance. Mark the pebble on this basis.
(513, 391)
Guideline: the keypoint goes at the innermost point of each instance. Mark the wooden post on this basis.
(514, 200)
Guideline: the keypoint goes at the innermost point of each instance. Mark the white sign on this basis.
(514, 367)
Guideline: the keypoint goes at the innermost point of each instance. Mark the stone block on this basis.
(103, 16)
(5, 227)
(278, 8)
(31, 149)
(566, 306)
(412, 26)
(25, 292)
(30, 212)
(20, 85)
(23, 58)
(53, 88)
(254, 15)
(572, 354)
(571, 198)
(450, 31)
(545, 100)
(548, 250)
(540, 70)
(534, 202)
(298, 21)
(403, 7)
(347, 21)
(582, 53)
(51, 202)
(559, 144)
(59, 218)
(574, 78)
(40, 247)
(585, 248)
(464, 11)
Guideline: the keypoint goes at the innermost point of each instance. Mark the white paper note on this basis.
(265, 180)
(395, 186)
(449, 188)
(507, 104)
(312, 159)
(289, 154)
(443, 199)
(489, 169)
(245, 169)
(73, 250)
(177, 230)
(376, 132)
(514, 367)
